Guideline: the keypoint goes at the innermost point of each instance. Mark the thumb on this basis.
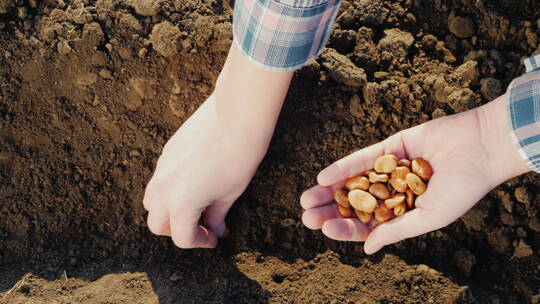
(433, 210)
(214, 217)
(187, 233)
(411, 224)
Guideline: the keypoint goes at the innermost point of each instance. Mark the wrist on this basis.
(502, 157)
(248, 98)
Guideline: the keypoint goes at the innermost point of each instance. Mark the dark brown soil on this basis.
(91, 90)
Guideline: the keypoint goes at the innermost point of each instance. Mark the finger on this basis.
(361, 160)
(148, 196)
(214, 217)
(350, 165)
(452, 191)
(314, 218)
(411, 224)
(345, 230)
(316, 196)
(433, 210)
(158, 221)
(187, 233)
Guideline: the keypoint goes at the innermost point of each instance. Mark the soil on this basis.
(90, 91)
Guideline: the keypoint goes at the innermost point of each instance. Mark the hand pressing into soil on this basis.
(210, 160)
(470, 153)
(200, 171)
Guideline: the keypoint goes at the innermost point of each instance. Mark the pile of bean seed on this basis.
(384, 192)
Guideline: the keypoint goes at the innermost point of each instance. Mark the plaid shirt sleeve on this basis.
(283, 35)
(524, 113)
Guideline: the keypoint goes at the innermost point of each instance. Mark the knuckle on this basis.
(307, 220)
(183, 242)
(147, 202)
(156, 228)
(149, 194)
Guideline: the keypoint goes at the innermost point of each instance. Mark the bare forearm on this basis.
(503, 157)
(248, 97)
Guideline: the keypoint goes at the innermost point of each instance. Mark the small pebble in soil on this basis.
(22, 12)
(105, 73)
(165, 38)
(146, 8)
(522, 195)
(461, 27)
(534, 224)
(341, 69)
(468, 71)
(464, 260)
(491, 88)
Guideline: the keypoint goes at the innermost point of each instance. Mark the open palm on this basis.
(463, 161)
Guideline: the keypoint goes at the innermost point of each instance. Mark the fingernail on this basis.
(210, 240)
(370, 249)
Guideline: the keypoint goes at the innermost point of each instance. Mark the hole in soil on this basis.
(25, 289)
(278, 278)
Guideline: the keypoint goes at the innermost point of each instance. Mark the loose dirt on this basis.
(90, 91)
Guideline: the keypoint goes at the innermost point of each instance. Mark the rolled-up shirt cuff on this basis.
(283, 35)
(524, 112)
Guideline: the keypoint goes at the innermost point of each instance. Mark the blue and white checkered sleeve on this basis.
(524, 113)
(283, 35)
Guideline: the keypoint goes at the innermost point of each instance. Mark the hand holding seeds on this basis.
(388, 193)
(416, 181)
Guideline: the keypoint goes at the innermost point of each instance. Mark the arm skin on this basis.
(471, 153)
(210, 160)
(250, 95)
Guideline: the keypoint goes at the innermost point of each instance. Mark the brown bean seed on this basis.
(383, 214)
(357, 182)
(400, 209)
(386, 163)
(398, 179)
(363, 217)
(341, 197)
(415, 183)
(345, 212)
(422, 168)
(379, 190)
(404, 163)
(367, 172)
(410, 198)
(378, 178)
(362, 200)
(395, 200)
